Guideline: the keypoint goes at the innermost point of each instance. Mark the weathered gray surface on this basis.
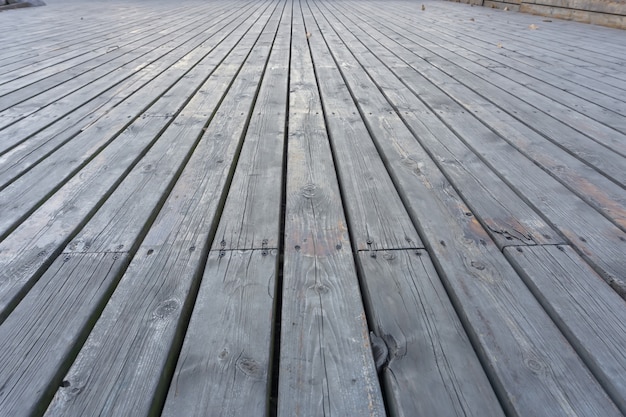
(310, 207)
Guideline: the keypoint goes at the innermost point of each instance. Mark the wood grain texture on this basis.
(378, 219)
(251, 215)
(589, 313)
(144, 322)
(49, 325)
(507, 218)
(432, 369)
(598, 239)
(326, 364)
(224, 365)
(515, 339)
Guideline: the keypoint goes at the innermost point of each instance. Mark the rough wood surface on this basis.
(431, 369)
(596, 326)
(266, 179)
(326, 364)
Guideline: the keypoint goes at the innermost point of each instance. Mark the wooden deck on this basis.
(310, 207)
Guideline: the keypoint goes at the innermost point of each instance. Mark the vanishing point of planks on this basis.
(310, 208)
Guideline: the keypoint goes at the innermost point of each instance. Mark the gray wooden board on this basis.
(37, 240)
(326, 364)
(506, 217)
(600, 241)
(251, 215)
(608, 160)
(163, 275)
(118, 35)
(45, 72)
(591, 315)
(476, 26)
(17, 199)
(377, 217)
(523, 352)
(115, 64)
(573, 96)
(432, 369)
(127, 212)
(107, 97)
(39, 340)
(587, 183)
(224, 365)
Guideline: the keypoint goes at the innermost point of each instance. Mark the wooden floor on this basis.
(310, 207)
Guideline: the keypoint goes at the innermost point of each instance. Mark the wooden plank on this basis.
(101, 96)
(591, 315)
(326, 364)
(224, 365)
(40, 338)
(599, 240)
(112, 65)
(22, 196)
(567, 129)
(523, 352)
(90, 44)
(507, 218)
(165, 272)
(587, 183)
(432, 369)
(50, 227)
(251, 215)
(378, 219)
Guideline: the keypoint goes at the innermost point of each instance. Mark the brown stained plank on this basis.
(251, 216)
(432, 369)
(39, 339)
(524, 354)
(224, 365)
(104, 139)
(507, 218)
(378, 219)
(326, 364)
(591, 315)
(163, 276)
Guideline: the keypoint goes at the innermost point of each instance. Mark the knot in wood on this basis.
(250, 367)
(308, 191)
(165, 309)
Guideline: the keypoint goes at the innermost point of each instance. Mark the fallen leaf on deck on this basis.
(499, 45)
(533, 27)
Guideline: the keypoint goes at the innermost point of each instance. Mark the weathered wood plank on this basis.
(507, 218)
(599, 240)
(40, 338)
(118, 131)
(524, 354)
(165, 272)
(251, 216)
(378, 219)
(432, 369)
(30, 246)
(326, 364)
(591, 315)
(224, 365)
